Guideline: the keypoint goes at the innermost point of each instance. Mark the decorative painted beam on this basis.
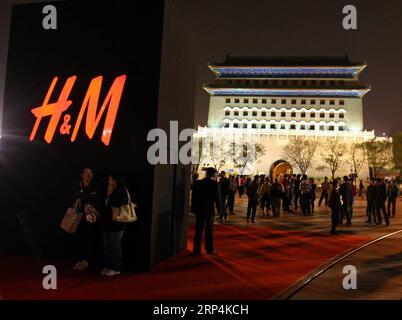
(348, 93)
(341, 72)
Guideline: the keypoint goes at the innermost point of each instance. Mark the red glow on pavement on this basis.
(252, 263)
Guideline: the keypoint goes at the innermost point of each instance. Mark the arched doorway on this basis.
(280, 168)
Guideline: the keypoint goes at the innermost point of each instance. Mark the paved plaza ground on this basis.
(254, 261)
(379, 266)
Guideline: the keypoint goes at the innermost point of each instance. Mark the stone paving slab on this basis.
(379, 275)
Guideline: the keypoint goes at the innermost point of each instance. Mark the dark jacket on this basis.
(276, 191)
(393, 192)
(370, 193)
(205, 197)
(380, 193)
(252, 190)
(334, 201)
(346, 192)
(312, 191)
(224, 186)
(297, 186)
(88, 195)
(117, 199)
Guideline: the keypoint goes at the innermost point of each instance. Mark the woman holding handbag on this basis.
(88, 232)
(117, 197)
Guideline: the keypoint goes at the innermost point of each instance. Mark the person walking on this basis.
(370, 204)
(312, 194)
(291, 190)
(252, 194)
(224, 186)
(231, 194)
(285, 200)
(261, 180)
(247, 183)
(204, 200)
(346, 194)
(264, 197)
(276, 195)
(241, 186)
(324, 192)
(361, 188)
(305, 189)
(335, 204)
(380, 199)
(353, 191)
(393, 192)
(297, 191)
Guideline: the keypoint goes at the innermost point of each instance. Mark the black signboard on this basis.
(101, 56)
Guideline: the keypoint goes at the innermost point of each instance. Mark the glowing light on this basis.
(355, 129)
(89, 105)
(54, 110)
(91, 102)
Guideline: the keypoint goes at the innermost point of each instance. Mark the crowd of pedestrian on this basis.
(296, 194)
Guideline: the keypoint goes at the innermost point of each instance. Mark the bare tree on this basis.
(246, 154)
(356, 158)
(379, 154)
(332, 156)
(215, 149)
(299, 152)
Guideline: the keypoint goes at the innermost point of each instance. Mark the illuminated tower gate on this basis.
(276, 98)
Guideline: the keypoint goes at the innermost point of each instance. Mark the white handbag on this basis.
(126, 213)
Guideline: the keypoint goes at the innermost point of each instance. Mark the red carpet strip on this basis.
(252, 263)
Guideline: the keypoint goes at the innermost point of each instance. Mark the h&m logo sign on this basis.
(89, 106)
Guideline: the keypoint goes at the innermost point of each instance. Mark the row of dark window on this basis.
(288, 82)
(283, 126)
(282, 114)
(284, 101)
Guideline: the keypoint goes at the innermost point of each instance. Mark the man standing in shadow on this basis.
(205, 198)
(346, 192)
(380, 200)
(224, 188)
(252, 194)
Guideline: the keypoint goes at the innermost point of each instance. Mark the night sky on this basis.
(291, 28)
(312, 28)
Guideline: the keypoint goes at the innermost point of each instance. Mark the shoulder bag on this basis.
(72, 218)
(126, 213)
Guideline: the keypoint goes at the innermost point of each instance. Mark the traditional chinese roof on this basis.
(288, 61)
(288, 67)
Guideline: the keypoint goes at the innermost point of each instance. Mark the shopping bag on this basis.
(72, 218)
(125, 213)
